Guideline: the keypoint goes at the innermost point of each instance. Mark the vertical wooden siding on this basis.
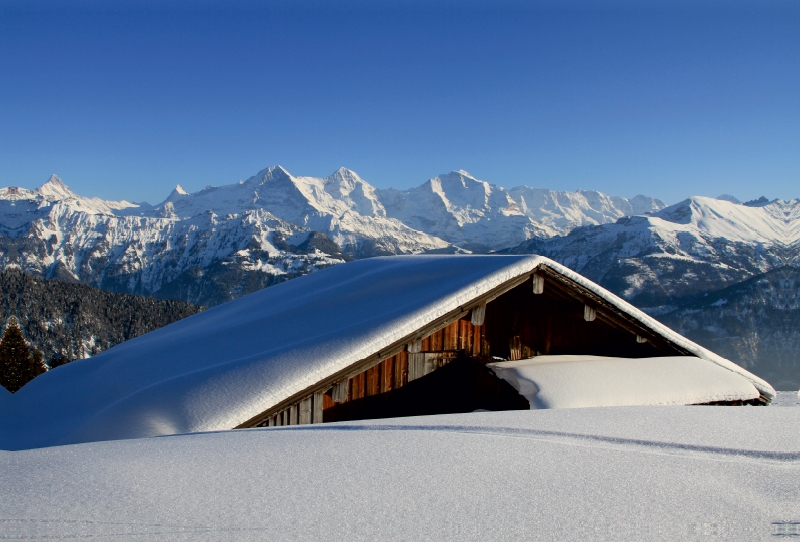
(438, 349)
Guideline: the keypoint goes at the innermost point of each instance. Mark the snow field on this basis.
(623, 473)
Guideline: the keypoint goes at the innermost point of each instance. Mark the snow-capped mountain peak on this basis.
(54, 189)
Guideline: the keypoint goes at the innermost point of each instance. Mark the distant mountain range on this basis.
(698, 245)
(223, 242)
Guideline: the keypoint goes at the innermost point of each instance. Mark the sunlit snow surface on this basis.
(621, 473)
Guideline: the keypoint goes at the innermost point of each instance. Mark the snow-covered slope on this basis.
(698, 245)
(475, 214)
(616, 474)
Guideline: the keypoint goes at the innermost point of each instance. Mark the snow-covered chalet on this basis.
(378, 338)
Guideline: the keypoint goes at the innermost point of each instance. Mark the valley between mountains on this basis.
(722, 272)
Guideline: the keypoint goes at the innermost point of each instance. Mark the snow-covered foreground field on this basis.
(623, 473)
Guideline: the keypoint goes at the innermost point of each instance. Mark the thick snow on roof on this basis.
(594, 381)
(218, 369)
(622, 473)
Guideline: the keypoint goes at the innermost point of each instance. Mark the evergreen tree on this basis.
(17, 365)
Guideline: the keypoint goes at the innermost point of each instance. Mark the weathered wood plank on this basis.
(437, 340)
(464, 335)
(292, 415)
(401, 370)
(339, 392)
(415, 347)
(430, 364)
(416, 366)
(515, 348)
(589, 313)
(357, 386)
(450, 337)
(387, 374)
(477, 332)
(318, 403)
(478, 315)
(372, 380)
(304, 411)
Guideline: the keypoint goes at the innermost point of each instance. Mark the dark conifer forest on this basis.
(68, 321)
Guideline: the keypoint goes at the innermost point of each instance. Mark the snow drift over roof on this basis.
(219, 368)
(594, 381)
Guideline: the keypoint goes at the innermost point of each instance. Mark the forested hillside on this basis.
(72, 321)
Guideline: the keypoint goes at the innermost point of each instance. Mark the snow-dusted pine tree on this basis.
(17, 365)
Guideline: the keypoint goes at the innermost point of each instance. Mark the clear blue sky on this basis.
(125, 101)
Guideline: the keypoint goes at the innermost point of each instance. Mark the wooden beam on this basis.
(589, 313)
(316, 415)
(304, 411)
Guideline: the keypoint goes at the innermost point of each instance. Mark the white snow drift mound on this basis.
(592, 381)
(626, 473)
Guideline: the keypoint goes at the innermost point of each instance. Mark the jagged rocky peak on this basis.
(177, 193)
(55, 189)
(357, 193)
